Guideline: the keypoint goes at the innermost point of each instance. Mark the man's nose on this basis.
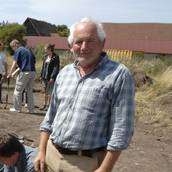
(84, 45)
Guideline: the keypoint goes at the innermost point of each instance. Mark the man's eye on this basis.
(91, 41)
(78, 42)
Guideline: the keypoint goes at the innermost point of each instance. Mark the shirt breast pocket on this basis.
(95, 97)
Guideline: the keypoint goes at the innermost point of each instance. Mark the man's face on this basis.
(47, 51)
(9, 161)
(86, 46)
(5, 160)
(14, 47)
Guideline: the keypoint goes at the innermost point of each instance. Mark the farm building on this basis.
(59, 42)
(141, 39)
(148, 39)
(41, 33)
(38, 28)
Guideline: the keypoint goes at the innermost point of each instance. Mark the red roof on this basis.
(147, 37)
(60, 42)
(163, 47)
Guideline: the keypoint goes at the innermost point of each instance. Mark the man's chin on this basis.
(84, 62)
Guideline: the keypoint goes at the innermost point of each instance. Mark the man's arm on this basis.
(13, 67)
(39, 162)
(56, 68)
(121, 122)
(46, 130)
(110, 159)
(16, 71)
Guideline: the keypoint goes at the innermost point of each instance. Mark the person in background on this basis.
(15, 156)
(24, 93)
(50, 69)
(3, 67)
(91, 114)
(25, 60)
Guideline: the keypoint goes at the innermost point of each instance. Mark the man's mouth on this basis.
(84, 54)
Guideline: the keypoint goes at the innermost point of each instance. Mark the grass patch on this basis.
(149, 106)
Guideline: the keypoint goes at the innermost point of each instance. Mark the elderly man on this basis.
(90, 117)
(15, 156)
(25, 60)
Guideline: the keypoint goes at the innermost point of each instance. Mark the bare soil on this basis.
(148, 152)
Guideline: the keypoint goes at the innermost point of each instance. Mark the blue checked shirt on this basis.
(93, 111)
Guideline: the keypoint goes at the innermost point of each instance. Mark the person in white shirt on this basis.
(3, 67)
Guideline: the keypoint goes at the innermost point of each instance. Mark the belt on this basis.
(88, 153)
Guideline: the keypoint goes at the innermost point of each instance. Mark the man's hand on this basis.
(40, 79)
(51, 81)
(39, 162)
(12, 75)
(109, 161)
(100, 170)
(8, 76)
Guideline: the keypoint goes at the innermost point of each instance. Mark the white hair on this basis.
(14, 42)
(100, 31)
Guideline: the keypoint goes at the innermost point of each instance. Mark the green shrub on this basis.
(39, 52)
(12, 31)
(66, 58)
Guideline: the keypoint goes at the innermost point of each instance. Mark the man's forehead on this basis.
(83, 36)
(85, 30)
(86, 26)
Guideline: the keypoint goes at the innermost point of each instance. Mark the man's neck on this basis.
(86, 69)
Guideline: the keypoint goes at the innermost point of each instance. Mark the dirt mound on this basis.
(165, 99)
(141, 78)
(165, 102)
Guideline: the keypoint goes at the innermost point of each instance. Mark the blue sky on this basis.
(70, 11)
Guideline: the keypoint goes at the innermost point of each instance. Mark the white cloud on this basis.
(69, 11)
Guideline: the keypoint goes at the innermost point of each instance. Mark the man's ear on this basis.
(71, 48)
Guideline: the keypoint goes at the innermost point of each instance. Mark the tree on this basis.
(9, 32)
(63, 30)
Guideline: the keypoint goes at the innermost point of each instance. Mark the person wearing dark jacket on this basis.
(50, 69)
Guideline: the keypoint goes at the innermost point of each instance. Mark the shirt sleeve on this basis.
(30, 155)
(42, 68)
(122, 113)
(4, 58)
(8, 169)
(16, 55)
(46, 125)
(56, 67)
